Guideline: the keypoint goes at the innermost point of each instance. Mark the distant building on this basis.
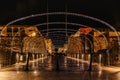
(18, 30)
(11, 37)
(49, 46)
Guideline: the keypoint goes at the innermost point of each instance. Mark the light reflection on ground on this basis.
(43, 69)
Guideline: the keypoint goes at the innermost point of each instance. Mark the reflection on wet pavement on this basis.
(45, 69)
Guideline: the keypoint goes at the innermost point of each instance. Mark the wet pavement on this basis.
(60, 68)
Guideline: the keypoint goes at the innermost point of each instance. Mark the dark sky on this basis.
(107, 10)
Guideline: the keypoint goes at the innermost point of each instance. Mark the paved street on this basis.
(62, 69)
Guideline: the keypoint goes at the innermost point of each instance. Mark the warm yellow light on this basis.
(32, 34)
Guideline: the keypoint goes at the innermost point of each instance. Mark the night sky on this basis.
(107, 10)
